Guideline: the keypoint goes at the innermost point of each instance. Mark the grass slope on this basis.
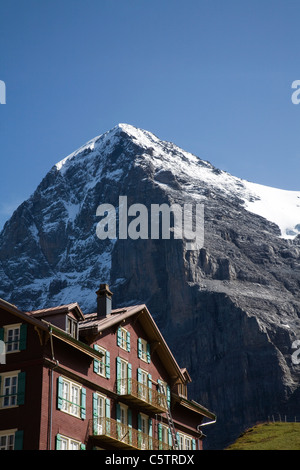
(269, 436)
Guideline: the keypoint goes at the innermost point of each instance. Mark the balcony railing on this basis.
(120, 436)
(146, 397)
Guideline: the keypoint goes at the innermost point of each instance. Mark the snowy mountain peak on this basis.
(281, 207)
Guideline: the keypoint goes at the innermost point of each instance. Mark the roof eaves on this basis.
(67, 338)
(20, 314)
(194, 406)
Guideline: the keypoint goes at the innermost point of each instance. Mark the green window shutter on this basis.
(118, 419)
(95, 413)
(129, 378)
(128, 341)
(58, 442)
(107, 416)
(129, 424)
(1, 334)
(19, 440)
(159, 432)
(168, 396)
(150, 387)
(170, 440)
(21, 388)
(139, 348)
(23, 336)
(82, 447)
(139, 375)
(107, 364)
(148, 353)
(59, 393)
(83, 403)
(139, 430)
(96, 361)
(118, 375)
(107, 408)
(119, 336)
(150, 427)
(178, 440)
(150, 446)
(194, 444)
(118, 413)
(139, 422)
(129, 418)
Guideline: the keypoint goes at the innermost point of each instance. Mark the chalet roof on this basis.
(49, 328)
(90, 323)
(157, 341)
(44, 312)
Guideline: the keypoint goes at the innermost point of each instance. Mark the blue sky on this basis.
(213, 76)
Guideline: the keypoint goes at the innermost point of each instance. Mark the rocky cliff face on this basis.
(229, 310)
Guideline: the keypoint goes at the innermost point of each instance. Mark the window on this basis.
(144, 350)
(123, 339)
(12, 389)
(14, 337)
(182, 390)
(67, 443)
(72, 327)
(101, 414)
(144, 432)
(185, 442)
(71, 397)
(7, 441)
(164, 437)
(102, 365)
(124, 375)
(144, 385)
(164, 393)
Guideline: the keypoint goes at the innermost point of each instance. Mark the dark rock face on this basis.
(229, 311)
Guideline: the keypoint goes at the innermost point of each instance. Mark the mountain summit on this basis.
(229, 310)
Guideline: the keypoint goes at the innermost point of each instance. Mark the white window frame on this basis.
(144, 392)
(101, 362)
(123, 378)
(67, 443)
(9, 391)
(71, 397)
(8, 435)
(12, 345)
(143, 350)
(164, 434)
(184, 441)
(123, 343)
(123, 422)
(145, 431)
(72, 326)
(101, 412)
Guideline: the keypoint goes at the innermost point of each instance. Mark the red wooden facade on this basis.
(99, 381)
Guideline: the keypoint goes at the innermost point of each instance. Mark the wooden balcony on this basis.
(111, 433)
(139, 394)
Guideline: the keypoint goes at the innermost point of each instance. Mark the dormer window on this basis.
(72, 327)
(182, 390)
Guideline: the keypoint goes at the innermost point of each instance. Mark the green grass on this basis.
(269, 436)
